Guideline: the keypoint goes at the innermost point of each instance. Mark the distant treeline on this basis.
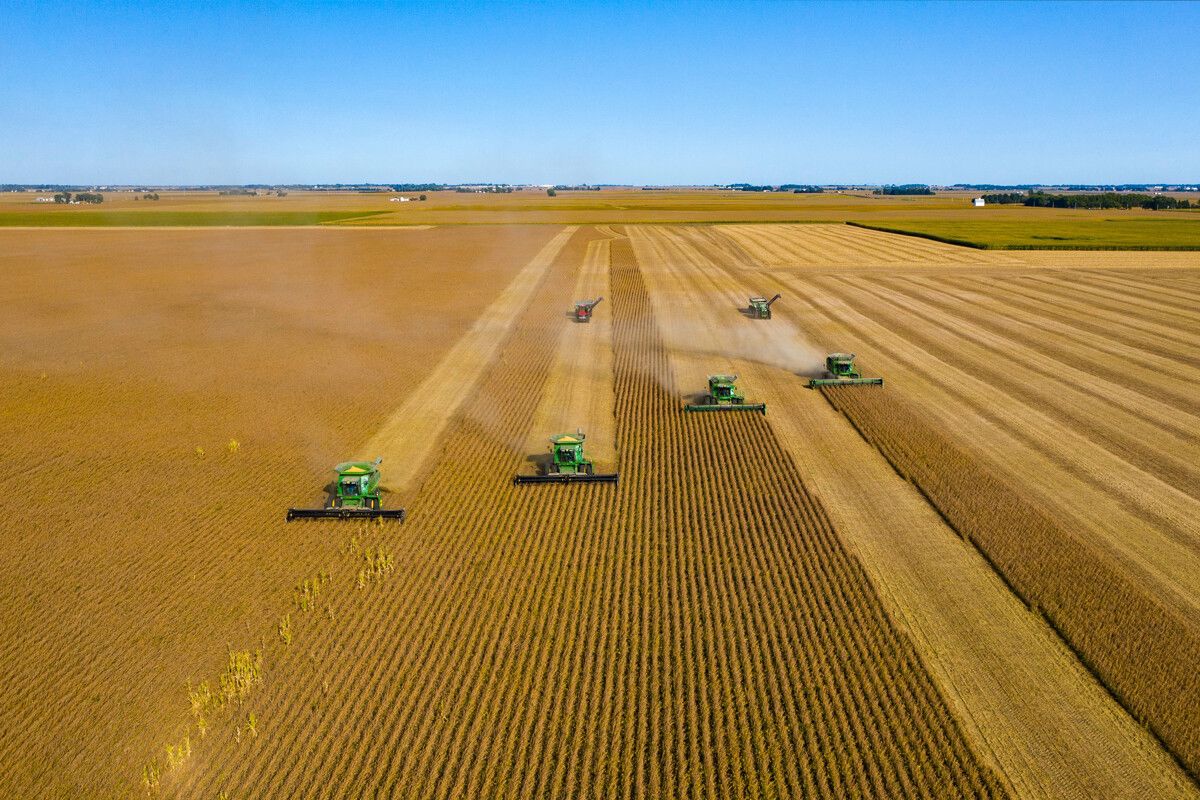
(795, 188)
(1154, 202)
(905, 188)
(1006, 198)
(81, 197)
(1105, 200)
(239, 192)
(1083, 187)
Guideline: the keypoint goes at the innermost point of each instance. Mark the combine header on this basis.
(723, 396)
(760, 307)
(355, 496)
(583, 309)
(840, 371)
(567, 463)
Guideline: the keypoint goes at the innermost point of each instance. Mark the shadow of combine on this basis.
(541, 462)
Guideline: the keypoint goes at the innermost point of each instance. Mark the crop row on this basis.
(697, 630)
(1144, 652)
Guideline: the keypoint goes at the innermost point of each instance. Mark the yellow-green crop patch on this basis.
(89, 218)
(1175, 232)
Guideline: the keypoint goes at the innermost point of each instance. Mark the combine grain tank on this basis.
(355, 496)
(567, 463)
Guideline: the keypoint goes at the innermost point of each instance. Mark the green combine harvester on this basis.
(567, 463)
(760, 307)
(723, 396)
(840, 371)
(355, 496)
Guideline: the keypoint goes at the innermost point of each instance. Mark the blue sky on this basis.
(670, 93)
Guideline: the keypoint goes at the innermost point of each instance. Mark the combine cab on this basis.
(583, 309)
(760, 307)
(723, 396)
(567, 463)
(355, 496)
(840, 371)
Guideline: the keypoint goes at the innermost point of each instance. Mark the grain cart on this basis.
(840, 371)
(583, 309)
(760, 307)
(567, 463)
(355, 495)
(723, 396)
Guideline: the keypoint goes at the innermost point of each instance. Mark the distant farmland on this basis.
(945, 216)
(50, 218)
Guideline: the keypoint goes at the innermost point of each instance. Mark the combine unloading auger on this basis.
(840, 371)
(723, 396)
(355, 496)
(567, 464)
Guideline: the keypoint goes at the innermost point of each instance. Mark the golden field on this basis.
(978, 580)
(945, 212)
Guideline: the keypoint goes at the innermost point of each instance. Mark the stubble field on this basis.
(979, 580)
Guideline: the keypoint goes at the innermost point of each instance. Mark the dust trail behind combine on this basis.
(408, 438)
(1038, 716)
(697, 303)
(692, 631)
(579, 391)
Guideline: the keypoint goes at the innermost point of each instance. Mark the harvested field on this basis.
(579, 391)
(701, 279)
(980, 580)
(131, 562)
(583, 641)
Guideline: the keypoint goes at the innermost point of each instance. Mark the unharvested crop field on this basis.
(980, 580)
(1100, 231)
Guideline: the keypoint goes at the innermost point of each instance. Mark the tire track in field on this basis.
(465, 673)
(1052, 729)
(1110, 620)
(1105, 495)
(1085, 287)
(1118, 328)
(579, 393)
(1141, 430)
(824, 246)
(407, 439)
(760, 443)
(1147, 289)
(440, 539)
(1150, 319)
(1005, 671)
(1137, 368)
